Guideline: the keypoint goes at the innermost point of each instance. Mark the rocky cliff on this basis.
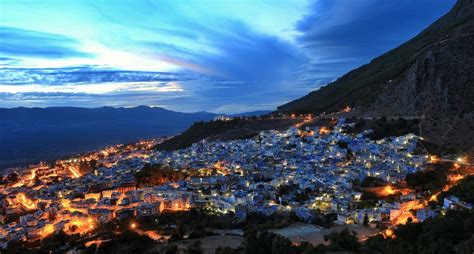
(431, 76)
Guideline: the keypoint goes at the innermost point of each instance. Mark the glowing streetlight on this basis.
(133, 225)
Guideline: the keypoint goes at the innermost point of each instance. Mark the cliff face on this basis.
(432, 75)
(440, 86)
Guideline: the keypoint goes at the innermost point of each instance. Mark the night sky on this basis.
(213, 55)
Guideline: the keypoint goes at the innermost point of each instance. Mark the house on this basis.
(150, 209)
(424, 214)
(100, 214)
(453, 202)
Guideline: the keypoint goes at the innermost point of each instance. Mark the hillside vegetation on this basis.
(224, 130)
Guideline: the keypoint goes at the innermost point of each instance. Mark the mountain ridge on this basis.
(429, 76)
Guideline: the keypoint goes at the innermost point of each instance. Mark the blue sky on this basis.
(213, 55)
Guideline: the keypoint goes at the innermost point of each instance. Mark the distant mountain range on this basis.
(28, 135)
(431, 76)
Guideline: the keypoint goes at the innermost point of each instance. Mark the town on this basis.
(307, 171)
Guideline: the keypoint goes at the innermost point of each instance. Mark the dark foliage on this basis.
(223, 130)
(450, 234)
(383, 128)
(157, 174)
(371, 181)
(127, 242)
(464, 190)
(432, 179)
(266, 242)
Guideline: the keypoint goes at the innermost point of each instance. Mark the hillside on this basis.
(429, 76)
(224, 130)
(28, 135)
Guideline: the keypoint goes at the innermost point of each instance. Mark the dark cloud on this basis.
(21, 42)
(252, 56)
(343, 34)
(247, 62)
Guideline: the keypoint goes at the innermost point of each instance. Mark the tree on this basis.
(371, 181)
(366, 220)
(180, 228)
(226, 250)
(171, 249)
(73, 228)
(281, 245)
(13, 177)
(343, 241)
(194, 248)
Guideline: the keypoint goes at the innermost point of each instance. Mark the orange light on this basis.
(434, 158)
(456, 178)
(389, 233)
(75, 173)
(324, 130)
(24, 201)
(133, 225)
(389, 190)
(48, 229)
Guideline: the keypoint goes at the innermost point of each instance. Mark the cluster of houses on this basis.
(306, 172)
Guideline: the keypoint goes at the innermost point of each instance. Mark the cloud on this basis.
(194, 55)
(101, 88)
(343, 34)
(245, 62)
(249, 55)
(83, 75)
(18, 42)
(87, 86)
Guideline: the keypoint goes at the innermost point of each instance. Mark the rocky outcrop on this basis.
(430, 76)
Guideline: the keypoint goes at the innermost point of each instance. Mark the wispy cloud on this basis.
(98, 88)
(27, 43)
(83, 75)
(193, 55)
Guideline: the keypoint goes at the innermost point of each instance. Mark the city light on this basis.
(81, 215)
(388, 233)
(434, 159)
(26, 202)
(389, 190)
(75, 173)
(324, 130)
